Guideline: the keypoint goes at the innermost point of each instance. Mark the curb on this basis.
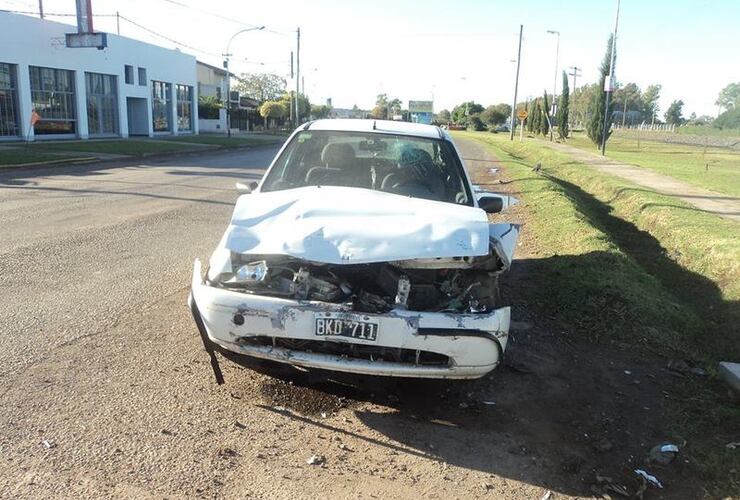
(61, 161)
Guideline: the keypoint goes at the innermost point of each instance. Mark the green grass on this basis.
(131, 147)
(710, 131)
(717, 169)
(19, 156)
(616, 263)
(224, 141)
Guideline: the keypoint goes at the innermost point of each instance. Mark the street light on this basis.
(555, 82)
(228, 75)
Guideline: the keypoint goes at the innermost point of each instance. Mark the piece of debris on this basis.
(323, 414)
(537, 167)
(240, 425)
(493, 171)
(663, 454)
(487, 486)
(48, 444)
(733, 446)
(490, 403)
(548, 493)
(344, 447)
(649, 478)
(627, 372)
(316, 460)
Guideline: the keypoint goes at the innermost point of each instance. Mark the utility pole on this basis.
(609, 85)
(41, 9)
(576, 70)
(516, 84)
(118, 23)
(297, 76)
(555, 81)
(227, 55)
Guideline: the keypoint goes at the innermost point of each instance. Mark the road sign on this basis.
(522, 114)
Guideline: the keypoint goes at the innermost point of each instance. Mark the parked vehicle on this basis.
(364, 249)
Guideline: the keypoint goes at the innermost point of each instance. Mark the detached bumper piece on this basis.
(207, 344)
(405, 344)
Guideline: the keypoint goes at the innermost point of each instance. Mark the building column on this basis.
(149, 113)
(81, 105)
(122, 109)
(194, 108)
(173, 108)
(25, 105)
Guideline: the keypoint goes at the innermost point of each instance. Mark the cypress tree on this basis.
(544, 124)
(530, 116)
(563, 109)
(595, 125)
(537, 115)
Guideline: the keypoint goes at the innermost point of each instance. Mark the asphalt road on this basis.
(105, 390)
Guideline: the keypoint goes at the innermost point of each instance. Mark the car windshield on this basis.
(410, 166)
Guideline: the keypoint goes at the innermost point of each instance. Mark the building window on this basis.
(161, 106)
(8, 101)
(53, 98)
(102, 104)
(129, 74)
(142, 77)
(184, 107)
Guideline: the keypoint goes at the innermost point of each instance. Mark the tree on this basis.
(627, 98)
(537, 117)
(544, 122)
(496, 114)
(208, 107)
(385, 107)
(476, 123)
(564, 108)
(444, 116)
(461, 112)
(729, 119)
(320, 111)
(650, 101)
(673, 114)
(273, 109)
(261, 86)
(729, 97)
(530, 116)
(304, 107)
(595, 127)
(580, 102)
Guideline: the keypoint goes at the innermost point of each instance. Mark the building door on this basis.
(138, 116)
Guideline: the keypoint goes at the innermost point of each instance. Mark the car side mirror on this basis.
(246, 188)
(491, 204)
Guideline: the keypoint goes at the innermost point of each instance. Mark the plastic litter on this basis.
(733, 446)
(649, 478)
(663, 453)
(316, 460)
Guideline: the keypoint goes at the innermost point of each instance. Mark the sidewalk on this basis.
(703, 199)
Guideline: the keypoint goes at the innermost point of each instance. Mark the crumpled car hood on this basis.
(343, 225)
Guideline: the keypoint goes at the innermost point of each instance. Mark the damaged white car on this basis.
(364, 249)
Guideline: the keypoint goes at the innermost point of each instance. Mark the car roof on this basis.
(378, 127)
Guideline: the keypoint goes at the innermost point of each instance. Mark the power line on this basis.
(47, 14)
(219, 16)
(172, 40)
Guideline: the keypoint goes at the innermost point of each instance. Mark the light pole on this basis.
(516, 84)
(555, 81)
(609, 84)
(228, 75)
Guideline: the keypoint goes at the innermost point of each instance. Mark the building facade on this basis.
(211, 84)
(130, 88)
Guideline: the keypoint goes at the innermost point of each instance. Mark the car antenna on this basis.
(373, 124)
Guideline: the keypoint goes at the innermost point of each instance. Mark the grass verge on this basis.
(619, 264)
(224, 141)
(131, 147)
(716, 168)
(19, 156)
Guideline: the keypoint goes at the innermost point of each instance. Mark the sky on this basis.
(448, 51)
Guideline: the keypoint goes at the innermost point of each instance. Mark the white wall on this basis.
(27, 41)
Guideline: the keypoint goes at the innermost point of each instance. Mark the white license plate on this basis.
(354, 326)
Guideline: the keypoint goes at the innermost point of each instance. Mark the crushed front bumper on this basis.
(473, 344)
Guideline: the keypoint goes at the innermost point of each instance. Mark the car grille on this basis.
(355, 351)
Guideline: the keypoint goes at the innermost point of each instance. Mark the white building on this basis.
(129, 88)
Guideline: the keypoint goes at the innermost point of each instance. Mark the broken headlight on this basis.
(254, 272)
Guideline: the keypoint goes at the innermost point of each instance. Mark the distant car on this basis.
(364, 249)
